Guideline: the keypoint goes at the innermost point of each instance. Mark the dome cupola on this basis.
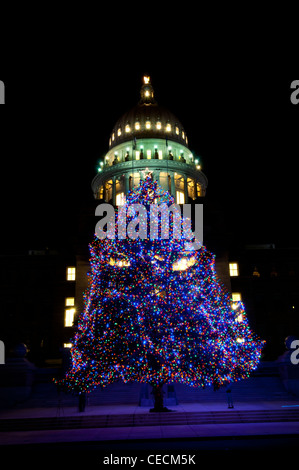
(147, 120)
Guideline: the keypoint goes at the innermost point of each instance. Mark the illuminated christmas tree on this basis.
(156, 312)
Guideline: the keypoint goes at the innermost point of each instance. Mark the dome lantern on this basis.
(147, 92)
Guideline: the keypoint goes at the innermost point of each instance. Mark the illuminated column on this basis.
(113, 190)
(172, 184)
(195, 189)
(185, 189)
(127, 183)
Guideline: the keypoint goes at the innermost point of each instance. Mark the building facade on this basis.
(266, 278)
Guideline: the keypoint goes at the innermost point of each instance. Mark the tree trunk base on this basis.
(82, 402)
(158, 400)
(162, 409)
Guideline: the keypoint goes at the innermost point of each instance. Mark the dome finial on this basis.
(147, 91)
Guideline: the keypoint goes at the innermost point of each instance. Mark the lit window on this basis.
(137, 155)
(101, 192)
(69, 301)
(236, 297)
(119, 131)
(177, 131)
(108, 190)
(147, 93)
(158, 125)
(71, 274)
(67, 345)
(134, 180)
(180, 197)
(69, 316)
(128, 128)
(233, 269)
(148, 124)
(160, 153)
(168, 127)
(256, 273)
(148, 154)
(120, 199)
(183, 134)
(113, 136)
(191, 188)
(137, 125)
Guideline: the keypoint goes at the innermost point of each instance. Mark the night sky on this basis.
(235, 108)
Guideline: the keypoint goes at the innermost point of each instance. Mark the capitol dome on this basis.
(148, 120)
(149, 138)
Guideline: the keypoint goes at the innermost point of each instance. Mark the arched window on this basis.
(191, 188)
(199, 190)
(119, 185)
(179, 188)
(120, 199)
(108, 190)
(134, 180)
(163, 179)
(101, 192)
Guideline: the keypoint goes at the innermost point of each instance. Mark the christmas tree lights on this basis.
(156, 312)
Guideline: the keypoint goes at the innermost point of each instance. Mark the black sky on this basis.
(235, 108)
